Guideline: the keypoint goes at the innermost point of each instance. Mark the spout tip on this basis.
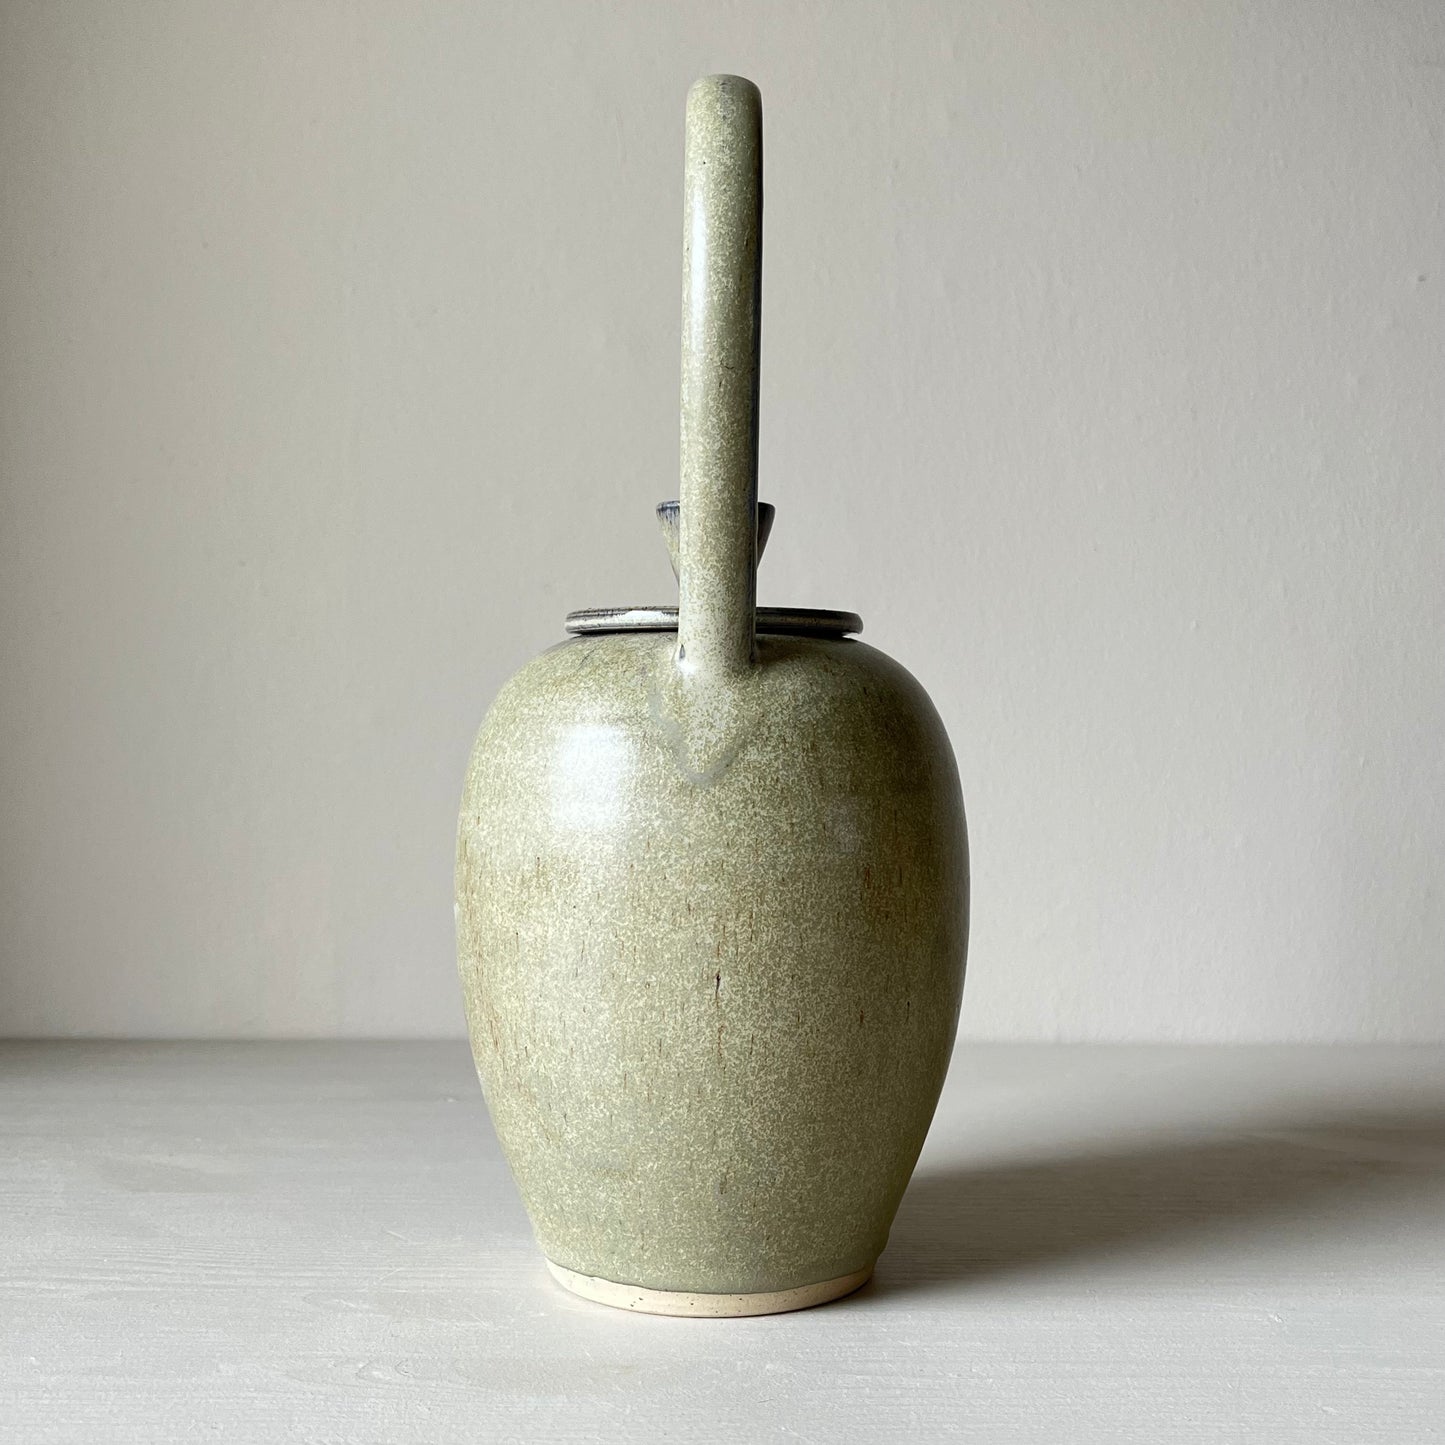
(736, 85)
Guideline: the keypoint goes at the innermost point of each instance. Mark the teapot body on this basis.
(712, 1010)
(712, 877)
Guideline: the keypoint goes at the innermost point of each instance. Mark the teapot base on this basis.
(707, 1306)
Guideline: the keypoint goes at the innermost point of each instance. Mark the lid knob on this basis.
(667, 518)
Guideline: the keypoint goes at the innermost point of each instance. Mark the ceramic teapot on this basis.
(712, 878)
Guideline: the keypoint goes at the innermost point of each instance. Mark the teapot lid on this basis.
(786, 621)
(775, 621)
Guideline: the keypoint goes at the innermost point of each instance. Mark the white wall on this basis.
(1102, 374)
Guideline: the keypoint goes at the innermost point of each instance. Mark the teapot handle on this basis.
(721, 310)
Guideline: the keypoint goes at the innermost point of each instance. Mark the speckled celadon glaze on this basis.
(712, 886)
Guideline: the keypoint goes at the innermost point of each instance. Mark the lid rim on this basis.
(773, 621)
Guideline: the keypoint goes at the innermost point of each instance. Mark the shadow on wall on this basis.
(1303, 1176)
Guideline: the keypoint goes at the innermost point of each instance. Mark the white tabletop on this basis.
(321, 1243)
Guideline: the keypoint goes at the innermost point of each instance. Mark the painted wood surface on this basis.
(321, 1243)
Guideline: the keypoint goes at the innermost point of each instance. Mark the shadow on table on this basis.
(969, 1223)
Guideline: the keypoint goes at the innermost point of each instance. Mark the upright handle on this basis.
(721, 306)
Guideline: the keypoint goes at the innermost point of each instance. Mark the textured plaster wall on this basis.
(1102, 374)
